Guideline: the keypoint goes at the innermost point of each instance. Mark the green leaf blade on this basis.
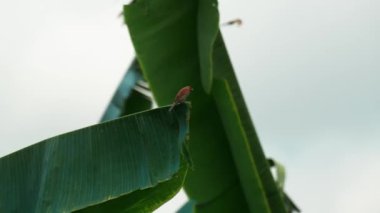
(224, 72)
(126, 99)
(207, 31)
(95, 164)
(166, 37)
(245, 163)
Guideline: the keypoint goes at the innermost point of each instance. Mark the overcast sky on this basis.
(309, 71)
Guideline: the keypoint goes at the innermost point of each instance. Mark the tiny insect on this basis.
(238, 22)
(181, 96)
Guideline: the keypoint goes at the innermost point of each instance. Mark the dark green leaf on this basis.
(239, 144)
(188, 207)
(128, 97)
(224, 72)
(208, 28)
(164, 34)
(115, 163)
(172, 51)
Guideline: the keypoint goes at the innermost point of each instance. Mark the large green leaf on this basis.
(128, 97)
(165, 39)
(208, 28)
(131, 164)
(224, 145)
(239, 144)
(228, 93)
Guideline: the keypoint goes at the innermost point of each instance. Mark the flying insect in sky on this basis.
(237, 21)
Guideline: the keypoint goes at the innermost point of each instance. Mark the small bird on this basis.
(181, 96)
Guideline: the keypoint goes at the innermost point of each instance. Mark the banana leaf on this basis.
(129, 96)
(178, 43)
(131, 164)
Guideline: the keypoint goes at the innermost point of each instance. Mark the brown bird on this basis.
(181, 96)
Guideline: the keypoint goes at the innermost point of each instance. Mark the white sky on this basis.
(309, 71)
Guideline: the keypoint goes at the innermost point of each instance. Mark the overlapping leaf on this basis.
(131, 164)
(129, 96)
(167, 36)
(164, 34)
